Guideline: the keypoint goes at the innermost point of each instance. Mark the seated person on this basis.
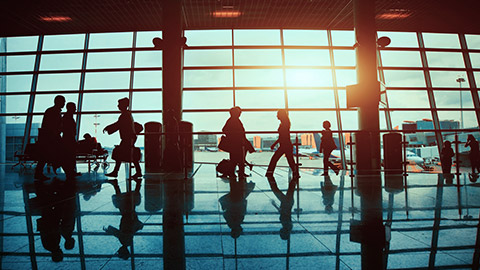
(87, 145)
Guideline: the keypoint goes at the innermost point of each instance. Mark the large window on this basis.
(304, 71)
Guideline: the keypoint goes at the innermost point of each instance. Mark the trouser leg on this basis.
(291, 161)
(273, 161)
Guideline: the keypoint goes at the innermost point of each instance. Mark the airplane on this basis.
(412, 157)
(306, 152)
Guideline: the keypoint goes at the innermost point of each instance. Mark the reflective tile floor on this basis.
(205, 222)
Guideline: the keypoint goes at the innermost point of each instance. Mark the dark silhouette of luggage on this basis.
(126, 154)
(225, 167)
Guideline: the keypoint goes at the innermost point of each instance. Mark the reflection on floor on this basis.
(260, 224)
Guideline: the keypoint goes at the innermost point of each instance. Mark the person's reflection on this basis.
(129, 223)
(286, 204)
(58, 206)
(234, 205)
(328, 193)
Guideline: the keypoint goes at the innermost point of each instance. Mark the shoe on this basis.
(57, 255)
(112, 174)
(337, 172)
(41, 177)
(69, 243)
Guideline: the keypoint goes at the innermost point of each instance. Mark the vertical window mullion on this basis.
(431, 97)
(82, 83)
(233, 68)
(337, 99)
(381, 75)
(284, 72)
(470, 76)
(132, 65)
(33, 90)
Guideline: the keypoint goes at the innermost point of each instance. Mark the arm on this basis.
(274, 144)
(111, 128)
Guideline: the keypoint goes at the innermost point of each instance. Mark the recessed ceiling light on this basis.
(394, 13)
(55, 18)
(227, 12)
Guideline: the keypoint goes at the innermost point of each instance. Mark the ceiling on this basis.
(21, 18)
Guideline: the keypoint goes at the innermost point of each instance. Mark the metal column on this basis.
(172, 64)
(368, 173)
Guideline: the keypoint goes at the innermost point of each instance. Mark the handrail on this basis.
(319, 131)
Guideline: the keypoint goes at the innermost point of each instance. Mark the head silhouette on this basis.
(87, 136)
(235, 112)
(285, 233)
(59, 101)
(448, 144)
(71, 107)
(326, 125)
(123, 104)
(282, 115)
(236, 232)
(471, 138)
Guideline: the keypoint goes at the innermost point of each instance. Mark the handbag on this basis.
(224, 144)
(126, 154)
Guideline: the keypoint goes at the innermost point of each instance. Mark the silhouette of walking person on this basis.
(49, 139)
(446, 157)
(286, 204)
(474, 153)
(234, 206)
(328, 190)
(126, 151)
(326, 147)
(57, 216)
(69, 142)
(237, 141)
(129, 223)
(286, 146)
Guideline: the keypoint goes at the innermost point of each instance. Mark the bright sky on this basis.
(301, 76)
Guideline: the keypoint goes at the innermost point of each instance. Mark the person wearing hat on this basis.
(126, 150)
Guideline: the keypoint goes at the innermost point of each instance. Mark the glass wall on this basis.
(428, 83)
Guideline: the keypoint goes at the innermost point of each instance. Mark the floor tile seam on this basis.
(325, 246)
(415, 239)
(35, 239)
(452, 256)
(13, 216)
(220, 225)
(314, 236)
